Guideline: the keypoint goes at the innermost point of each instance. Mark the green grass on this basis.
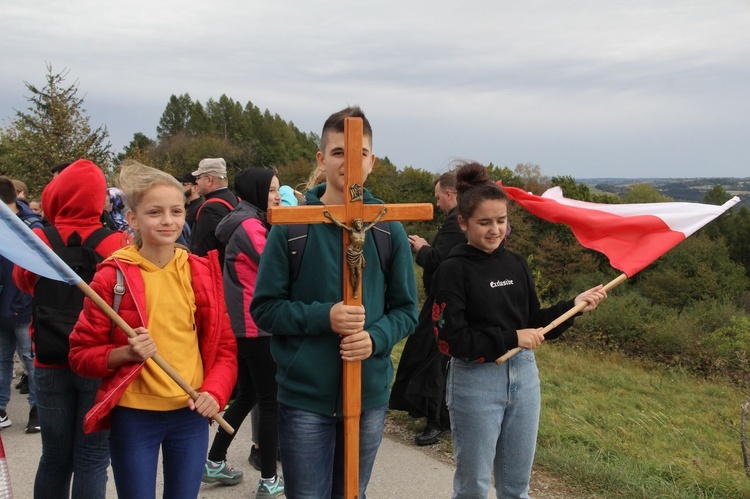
(618, 428)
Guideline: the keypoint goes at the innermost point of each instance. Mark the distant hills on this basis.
(680, 189)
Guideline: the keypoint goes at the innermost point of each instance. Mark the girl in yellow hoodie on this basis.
(174, 301)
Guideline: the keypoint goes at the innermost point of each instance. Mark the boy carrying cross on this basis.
(314, 332)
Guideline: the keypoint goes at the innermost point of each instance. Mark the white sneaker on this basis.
(4, 420)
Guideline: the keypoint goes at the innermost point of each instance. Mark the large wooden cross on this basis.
(352, 213)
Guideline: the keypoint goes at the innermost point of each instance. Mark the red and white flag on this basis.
(632, 236)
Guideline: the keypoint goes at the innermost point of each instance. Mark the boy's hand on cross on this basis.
(356, 346)
(347, 319)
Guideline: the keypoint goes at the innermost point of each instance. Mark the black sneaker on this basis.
(23, 385)
(4, 420)
(23, 379)
(33, 426)
(430, 436)
(254, 457)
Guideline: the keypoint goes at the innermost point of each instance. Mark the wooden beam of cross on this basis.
(352, 213)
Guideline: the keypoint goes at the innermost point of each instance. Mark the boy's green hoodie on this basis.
(303, 345)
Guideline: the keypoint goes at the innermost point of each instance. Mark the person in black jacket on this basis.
(193, 199)
(211, 178)
(484, 305)
(419, 387)
(15, 316)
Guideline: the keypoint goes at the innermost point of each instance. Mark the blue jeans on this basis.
(12, 335)
(135, 439)
(63, 399)
(312, 450)
(494, 413)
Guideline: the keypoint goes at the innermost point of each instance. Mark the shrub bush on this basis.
(727, 348)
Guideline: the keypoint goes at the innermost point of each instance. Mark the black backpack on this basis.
(58, 304)
(296, 239)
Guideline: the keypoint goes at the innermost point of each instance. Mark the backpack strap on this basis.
(213, 200)
(119, 291)
(382, 234)
(56, 242)
(53, 236)
(296, 239)
(97, 237)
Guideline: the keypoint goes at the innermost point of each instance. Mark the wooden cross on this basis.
(352, 213)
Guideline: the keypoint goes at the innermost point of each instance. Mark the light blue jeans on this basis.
(12, 334)
(494, 413)
(312, 452)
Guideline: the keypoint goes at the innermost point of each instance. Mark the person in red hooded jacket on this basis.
(73, 203)
(174, 300)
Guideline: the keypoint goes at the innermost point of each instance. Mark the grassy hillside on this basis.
(623, 429)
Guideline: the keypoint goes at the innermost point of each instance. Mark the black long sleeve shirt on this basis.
(481, 300)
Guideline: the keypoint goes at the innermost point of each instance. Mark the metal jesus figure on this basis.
(355, 257)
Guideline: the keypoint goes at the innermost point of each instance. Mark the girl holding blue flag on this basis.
(175, 302)
(485, 304)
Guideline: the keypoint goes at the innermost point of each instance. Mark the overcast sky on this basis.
(590, 88)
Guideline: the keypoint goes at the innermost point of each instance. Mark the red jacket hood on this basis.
(74, 200)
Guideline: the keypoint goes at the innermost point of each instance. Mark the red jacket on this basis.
(91, 341)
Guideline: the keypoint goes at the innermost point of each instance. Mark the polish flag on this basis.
(632, 236)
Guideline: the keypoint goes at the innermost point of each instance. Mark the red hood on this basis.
(74, 200)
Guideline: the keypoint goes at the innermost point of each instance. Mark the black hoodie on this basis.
(482, 299)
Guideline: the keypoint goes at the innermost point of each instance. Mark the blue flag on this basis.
(20, 245)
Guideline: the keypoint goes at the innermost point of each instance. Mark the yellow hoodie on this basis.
(170, 308)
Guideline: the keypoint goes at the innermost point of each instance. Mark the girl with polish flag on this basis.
(485, 304)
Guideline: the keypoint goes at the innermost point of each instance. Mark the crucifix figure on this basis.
(355, 257)
(349, 212)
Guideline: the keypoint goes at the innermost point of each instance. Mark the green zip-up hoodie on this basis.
(296, 313)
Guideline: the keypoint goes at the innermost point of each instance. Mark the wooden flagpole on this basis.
(567, 315)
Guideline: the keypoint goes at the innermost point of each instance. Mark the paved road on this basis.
(401, 470)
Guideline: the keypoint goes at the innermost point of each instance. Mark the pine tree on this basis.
(175, 117)
(53, 129)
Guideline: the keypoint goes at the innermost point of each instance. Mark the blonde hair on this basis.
(136, 179)
(316, 177)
